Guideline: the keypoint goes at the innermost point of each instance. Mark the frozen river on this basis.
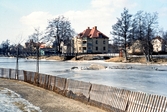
(141, 77)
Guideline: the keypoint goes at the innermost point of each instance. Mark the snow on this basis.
(12, 102)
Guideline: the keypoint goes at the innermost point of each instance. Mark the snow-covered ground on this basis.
(12, 102)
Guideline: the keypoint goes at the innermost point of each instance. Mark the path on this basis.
(48, 101)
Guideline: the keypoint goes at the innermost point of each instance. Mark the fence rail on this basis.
(104, 97)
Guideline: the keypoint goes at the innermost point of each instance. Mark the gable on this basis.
(158, 40)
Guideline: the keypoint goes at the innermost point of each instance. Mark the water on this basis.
(142, 77)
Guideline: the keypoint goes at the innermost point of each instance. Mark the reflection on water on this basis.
(141, 77)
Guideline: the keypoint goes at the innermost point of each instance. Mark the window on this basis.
(84, 48)
(104, 48)
(96, 41)
(104, 42)
(96, 48)
(84, 42)
(100, 35)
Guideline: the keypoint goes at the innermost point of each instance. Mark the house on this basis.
(135, 48)
(31, 45)
(112, 48)
(46, 49)
(91, 41)
(159, 44)
(67, 46)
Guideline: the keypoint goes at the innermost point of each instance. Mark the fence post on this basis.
(2, 72)
(65, 86)
(9, 73)
(89, 92)
(25, 76)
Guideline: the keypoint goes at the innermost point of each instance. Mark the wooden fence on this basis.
(105, 97)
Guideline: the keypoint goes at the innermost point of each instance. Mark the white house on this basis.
(158, 44)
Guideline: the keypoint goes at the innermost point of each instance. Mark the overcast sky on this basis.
(18, 18)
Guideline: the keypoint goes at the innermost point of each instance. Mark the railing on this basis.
(104, 97)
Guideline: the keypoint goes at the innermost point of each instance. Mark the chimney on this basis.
(95, 27)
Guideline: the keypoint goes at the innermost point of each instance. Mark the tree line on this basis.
(141, 26)
(58, 30)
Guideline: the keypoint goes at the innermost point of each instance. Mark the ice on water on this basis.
(12, 102)
(149, 78)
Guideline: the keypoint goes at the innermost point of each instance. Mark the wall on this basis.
(100, 45)
(91, 43)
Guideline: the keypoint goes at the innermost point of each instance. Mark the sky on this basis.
(18, 18)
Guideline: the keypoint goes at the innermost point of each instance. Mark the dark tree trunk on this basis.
(17, 64)
(125, 52)
(37, 66)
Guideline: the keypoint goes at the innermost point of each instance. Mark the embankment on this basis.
(48, 101)
(105, 97)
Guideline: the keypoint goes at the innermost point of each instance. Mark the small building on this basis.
(159, 44)
(31, 44)
(46, 51)
(112, 48)
(135, 48)
(91, 41)
(67, 47)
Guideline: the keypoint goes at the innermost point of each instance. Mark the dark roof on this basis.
(92, 33)
(160, 39)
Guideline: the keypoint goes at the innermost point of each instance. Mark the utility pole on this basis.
(37, 64)
(17, 63)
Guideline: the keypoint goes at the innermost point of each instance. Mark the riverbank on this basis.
(47, 101)
(155, 60)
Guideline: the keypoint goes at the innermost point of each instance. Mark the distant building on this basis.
(91, 41)
(31, 45)
(135, 48)
(113, 48)
(46, 51)
(159, 44)
(67, 47)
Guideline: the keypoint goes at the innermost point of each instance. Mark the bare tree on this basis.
(144, 31)
(36, 37)
(121, 30)
(151, 23)
(164, 35)
(59, 29)
(138, 30)
(139, 25)
(18, 48)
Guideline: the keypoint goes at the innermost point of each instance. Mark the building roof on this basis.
(160, 39)
(92, 33)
